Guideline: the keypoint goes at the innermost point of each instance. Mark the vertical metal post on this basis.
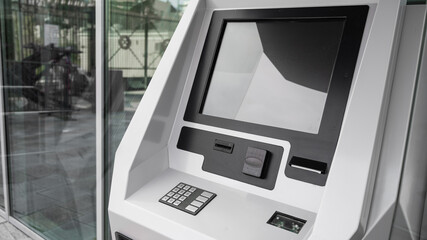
(21, 45)
(3, 142)
(100, 29)
(146, 47)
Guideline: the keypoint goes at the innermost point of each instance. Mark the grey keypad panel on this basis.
(187, 198)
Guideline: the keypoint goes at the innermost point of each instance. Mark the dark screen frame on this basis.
(318, 147)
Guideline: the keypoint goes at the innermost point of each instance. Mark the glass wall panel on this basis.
(2, 203)
(49, 92)
(137, 34)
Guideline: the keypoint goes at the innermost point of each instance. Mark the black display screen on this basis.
(274, 72)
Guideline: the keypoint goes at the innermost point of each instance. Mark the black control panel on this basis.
(248, 161)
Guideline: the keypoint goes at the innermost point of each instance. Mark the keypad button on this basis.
(192, 189)
(196, 203)
(181, 192)
(181, 185)
(170, 194)
(171, 200)
(177, 202)
(187, 194)
(186, 187)
(165, 198)
(182, 198)
(206, 194)
(201, 199)
(176, 196)
(175, 190)
(191, 208)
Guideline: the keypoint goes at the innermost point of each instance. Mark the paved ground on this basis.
(52, 175)
(9, 232)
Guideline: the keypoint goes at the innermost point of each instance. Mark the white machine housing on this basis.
(148, 163)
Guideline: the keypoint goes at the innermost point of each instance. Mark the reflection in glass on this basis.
(48, 66)
(137, 34)
(2, 203)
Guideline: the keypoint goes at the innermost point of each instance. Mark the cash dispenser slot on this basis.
(308, 165)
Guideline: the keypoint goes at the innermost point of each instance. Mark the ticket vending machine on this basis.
(264, 120)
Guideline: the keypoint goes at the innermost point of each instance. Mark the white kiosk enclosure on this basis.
(264, 120)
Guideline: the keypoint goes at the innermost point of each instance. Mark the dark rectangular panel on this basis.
(231, 164)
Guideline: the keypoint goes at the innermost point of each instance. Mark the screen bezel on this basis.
(321, 146)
